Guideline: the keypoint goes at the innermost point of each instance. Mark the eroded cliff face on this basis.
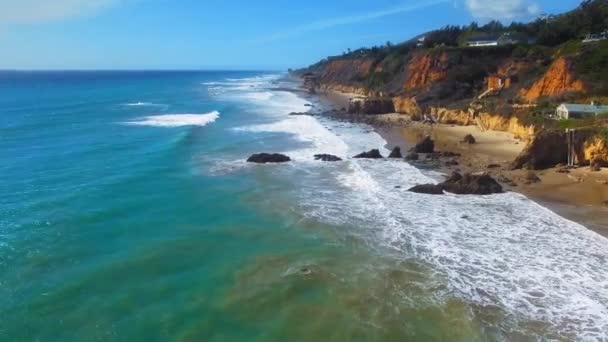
(425, 69)
(487, 121)
(559, 79)
(595, 148)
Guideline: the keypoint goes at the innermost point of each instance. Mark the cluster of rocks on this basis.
(467, 184)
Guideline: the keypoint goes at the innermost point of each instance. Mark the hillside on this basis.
(446, 72)
(514, 86)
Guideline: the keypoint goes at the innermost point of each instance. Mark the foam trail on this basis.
(177, 120)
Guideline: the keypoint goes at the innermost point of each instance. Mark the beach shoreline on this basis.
(579, 195)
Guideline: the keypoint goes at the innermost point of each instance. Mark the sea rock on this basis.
(427, 145)
(471, 184)
(493, 166)
(469, 139)
(412, 156)
(373, 154)
(429, 189)
(327, 158)
(467, 184)
(264, 158)
(396, 153)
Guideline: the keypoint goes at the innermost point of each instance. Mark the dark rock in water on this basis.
(467, 184)
(429, 189)
(299, 113)
(469, 139)
(327, 158)
(373, 154)
(493, 166)
(263, 158)
(308, 105)
(412, 156)
(396, 153)
(427, 145)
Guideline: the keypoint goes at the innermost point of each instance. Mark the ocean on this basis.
(128, 213)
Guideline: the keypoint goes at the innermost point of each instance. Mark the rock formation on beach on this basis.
(327, 158)
(396, 153)
(467, 184)
(373, 154)
(426, 145)
(264, 158)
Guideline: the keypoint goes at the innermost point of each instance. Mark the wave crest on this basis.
(177, 120)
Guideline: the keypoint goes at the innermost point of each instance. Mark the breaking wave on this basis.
(177, 120)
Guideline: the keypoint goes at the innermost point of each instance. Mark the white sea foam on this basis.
(500, 251)
(145, 104)
(177, 120)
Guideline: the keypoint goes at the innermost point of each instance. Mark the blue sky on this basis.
(226, 34)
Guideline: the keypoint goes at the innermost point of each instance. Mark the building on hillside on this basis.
(483, 41)
(499, 39)
(579, 111)
(590, 38)
(420, 41)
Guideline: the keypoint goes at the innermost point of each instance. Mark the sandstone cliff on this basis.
(558, 80)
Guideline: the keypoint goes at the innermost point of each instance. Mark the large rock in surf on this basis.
(327, 158)
(471, 184)
(469, 139)
(427, 145)
(396, 153)
(373, 154)
(467, 184)
(264, 158)
(429, 189)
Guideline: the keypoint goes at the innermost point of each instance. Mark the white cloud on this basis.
(347, 20)
(502, 9)
(36, 11)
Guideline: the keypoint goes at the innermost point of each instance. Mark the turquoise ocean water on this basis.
(128, 212)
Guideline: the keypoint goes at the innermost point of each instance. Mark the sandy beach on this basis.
(579, 195)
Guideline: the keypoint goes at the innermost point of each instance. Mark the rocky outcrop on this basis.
(559, 79)
(396, 153)
(467, 184)
(407, 105)
(469, 139)
(425, 69)
(427, 145)
(327, 158)
(373, 154)
(429, 189)
(371, 106)
(264, 158)
(595, 150)
(547, 149)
